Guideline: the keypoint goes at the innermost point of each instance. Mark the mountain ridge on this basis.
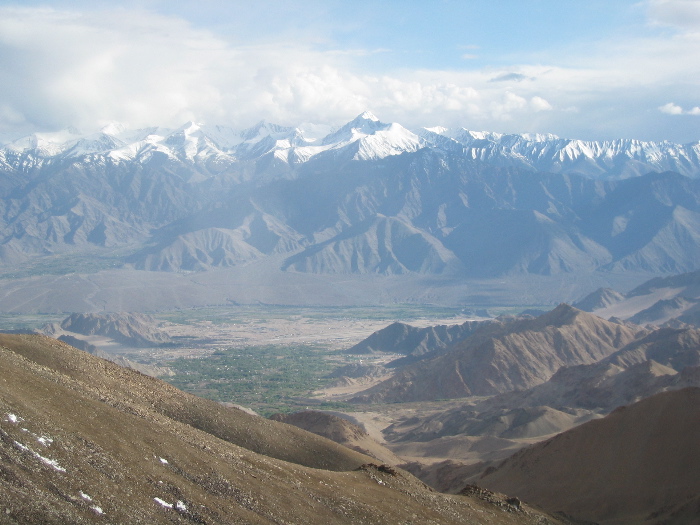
(672, 301)
(539, 152)
(369, 197)
(499, 358)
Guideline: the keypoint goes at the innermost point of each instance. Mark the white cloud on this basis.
(142, 68)
(671, 109)
(675, 109)
(679, 13)
(540, 104)
(84, 68)
(64, 67)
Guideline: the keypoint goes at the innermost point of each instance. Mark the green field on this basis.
(267, 379)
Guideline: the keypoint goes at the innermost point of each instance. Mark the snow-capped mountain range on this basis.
(368, 197)
(364, 138)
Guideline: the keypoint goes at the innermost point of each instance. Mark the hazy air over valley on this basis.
(369, 262)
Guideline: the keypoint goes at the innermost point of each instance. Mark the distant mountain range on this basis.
(366, 198)
(662, 301)
(214, 149)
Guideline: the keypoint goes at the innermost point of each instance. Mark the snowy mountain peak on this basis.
(478, 135)
(367, 115)
(439, 130)
(362, 125)
(46, 144)
(189, 128)
(113, 128)
(363, 138)
(539, 137)
(391, 139)
(264, 129)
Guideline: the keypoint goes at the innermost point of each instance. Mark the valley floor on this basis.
(264, 284)
(282, 331)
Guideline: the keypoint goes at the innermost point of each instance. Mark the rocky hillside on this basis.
(666, 359)
(501, 358)
(415, 343)
(83, 440)
(126, 328)
(635, 466)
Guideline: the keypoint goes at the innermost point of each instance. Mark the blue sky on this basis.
(590, 70)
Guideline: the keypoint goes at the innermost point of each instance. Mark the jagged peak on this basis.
(439, 130)
(113, 128)
(540, 152)
(189, 127)
(561, 315)
(539, 137)
(364, 124)
(367, 115)
(365, 121)
(263, 128)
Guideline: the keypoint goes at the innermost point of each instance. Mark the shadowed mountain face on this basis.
(83, 440)
(341, 431)
(497, 359)
(370, 198)
(637, 465)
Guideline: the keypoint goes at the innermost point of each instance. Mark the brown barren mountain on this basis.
(501, 424)
(139, 330)
(638, 465)
(502, 358)
(405, 339)
(85, 441)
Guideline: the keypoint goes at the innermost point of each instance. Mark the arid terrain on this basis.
(446, 394)
(204, 330)
(83, 440)
(197, 333)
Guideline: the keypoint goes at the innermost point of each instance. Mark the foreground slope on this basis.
(83, 440)
(637, 465)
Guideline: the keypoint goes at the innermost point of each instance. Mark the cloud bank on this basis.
(86, 68)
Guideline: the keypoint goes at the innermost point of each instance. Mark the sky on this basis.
(592, 70)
